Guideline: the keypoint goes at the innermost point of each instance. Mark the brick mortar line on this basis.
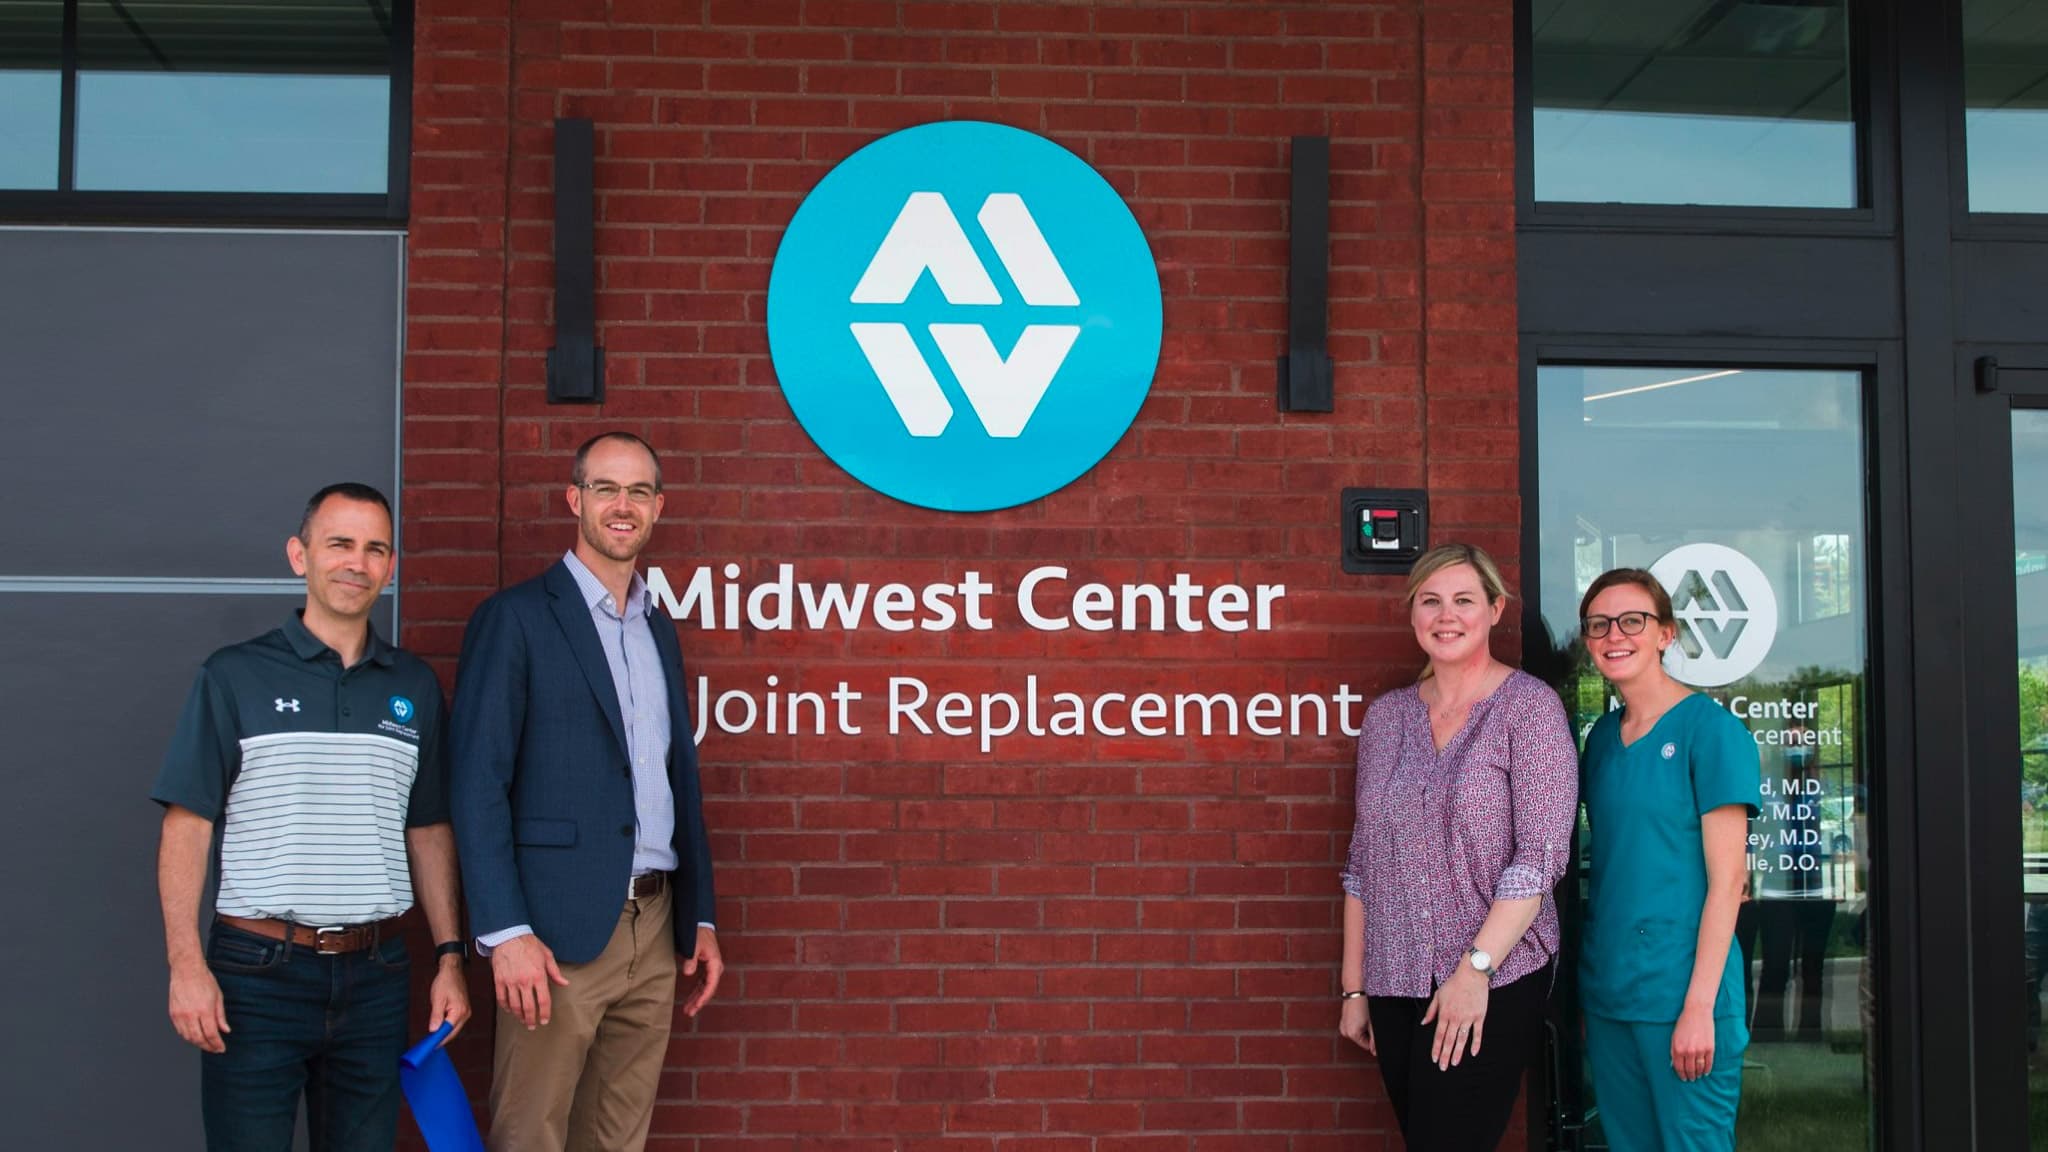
(505, 246)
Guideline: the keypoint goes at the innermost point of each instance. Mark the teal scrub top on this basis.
(1649, 871)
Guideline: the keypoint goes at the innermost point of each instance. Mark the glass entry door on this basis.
(2030, 683)
(1743, 490)
(2006, 608)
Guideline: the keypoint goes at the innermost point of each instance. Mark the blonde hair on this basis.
(1450, 556)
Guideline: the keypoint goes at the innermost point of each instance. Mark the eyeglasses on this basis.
(1630, 623)
(605, 491)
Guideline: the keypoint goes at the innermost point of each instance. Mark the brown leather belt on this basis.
(325, 941)
(646, 884)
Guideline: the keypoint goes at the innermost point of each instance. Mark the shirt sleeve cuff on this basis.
(1353, 886)
(1519, 882)
(707, 924)
(491, 940)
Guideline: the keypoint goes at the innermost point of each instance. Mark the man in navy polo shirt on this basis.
(316, 751)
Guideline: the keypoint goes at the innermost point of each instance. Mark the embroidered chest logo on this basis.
(401, 709)
(284, 705)
(1670, 750)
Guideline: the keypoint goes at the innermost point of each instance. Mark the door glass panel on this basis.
(1679, 102)
(1743, 490)
(2005, 104)
(2030, 581)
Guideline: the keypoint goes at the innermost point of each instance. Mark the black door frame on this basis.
(2019, 383)
(1912, 287)
(1890, 715)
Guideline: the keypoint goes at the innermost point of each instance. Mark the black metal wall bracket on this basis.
(1304, 377)
(1996, 378)
(576, 362)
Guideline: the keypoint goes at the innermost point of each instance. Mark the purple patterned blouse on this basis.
(1441, 836)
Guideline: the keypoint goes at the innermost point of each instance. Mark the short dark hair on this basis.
(347, 490)
(1660, 600)
(577, 474)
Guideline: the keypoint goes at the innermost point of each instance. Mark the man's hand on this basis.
(448, 999)
(522, 968)
(197, 1011)
(707, 965)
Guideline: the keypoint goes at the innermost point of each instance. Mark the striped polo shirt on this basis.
(312, 773)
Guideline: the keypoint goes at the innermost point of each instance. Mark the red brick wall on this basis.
(1073, 945)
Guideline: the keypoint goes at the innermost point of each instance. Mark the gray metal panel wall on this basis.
(172, 398)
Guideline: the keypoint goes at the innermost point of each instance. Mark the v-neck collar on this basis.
(1631, 745)
(1471, 714)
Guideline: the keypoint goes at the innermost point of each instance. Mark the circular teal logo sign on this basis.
(964, 316)
(401, 709)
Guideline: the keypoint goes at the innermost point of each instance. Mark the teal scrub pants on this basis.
(1644, 1106)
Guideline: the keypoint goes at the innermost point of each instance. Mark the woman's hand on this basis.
(1355, 1024)
(1459, 1009)
(1692, 1043)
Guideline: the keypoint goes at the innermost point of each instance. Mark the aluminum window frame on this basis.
(1875, 116)
(67, 204)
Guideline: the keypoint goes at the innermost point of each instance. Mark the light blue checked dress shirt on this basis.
(643, 705)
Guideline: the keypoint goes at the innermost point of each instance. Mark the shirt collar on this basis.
(311, 647)
(594, 592)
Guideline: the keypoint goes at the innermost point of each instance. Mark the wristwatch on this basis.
(456, 948)
(1481, 960)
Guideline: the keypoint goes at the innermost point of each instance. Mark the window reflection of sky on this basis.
(2030, 529)
(1765, 461)
(1607, 156)
(187, 132)
(2030, 479)
(1675, 398)
(28, 128)
(2008, 159)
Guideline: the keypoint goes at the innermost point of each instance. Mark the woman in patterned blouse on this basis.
(1467, 788)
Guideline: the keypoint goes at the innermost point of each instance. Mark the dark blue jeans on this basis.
(331, 1027)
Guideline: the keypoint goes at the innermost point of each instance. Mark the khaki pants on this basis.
(586, 1081)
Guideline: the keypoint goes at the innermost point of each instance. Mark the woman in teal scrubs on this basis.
(1670, 781)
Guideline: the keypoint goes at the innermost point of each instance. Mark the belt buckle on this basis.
(320, 936)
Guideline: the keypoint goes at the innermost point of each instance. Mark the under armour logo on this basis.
(284, 705)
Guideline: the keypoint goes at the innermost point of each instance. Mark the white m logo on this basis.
(1726, 610)
(1003, 391)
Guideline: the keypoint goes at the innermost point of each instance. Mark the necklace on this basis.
(1445, 709)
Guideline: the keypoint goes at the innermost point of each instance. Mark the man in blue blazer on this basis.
(580, 824)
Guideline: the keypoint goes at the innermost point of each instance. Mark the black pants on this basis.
(1466, 1108)
(1791, 929)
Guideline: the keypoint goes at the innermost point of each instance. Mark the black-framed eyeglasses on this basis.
(1630, 623)
(605, 490)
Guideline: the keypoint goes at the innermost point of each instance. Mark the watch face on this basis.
(1482, 961)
